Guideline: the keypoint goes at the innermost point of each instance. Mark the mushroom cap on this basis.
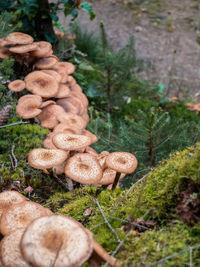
(54, 74)
(71, 81)
(71, 141)
(7, 198)
(82, 97)
(28, 108)
(23, 48)
(46, 63)
(56, 241)
(36, 98)
(48, 143)
(64, 128)
(42, 158)
(47, 103)
(85, 117)
(91, 150)
(76, 88)
(48, 116)
(84, 168)
(63, 91)
(43, 49)
(60, 169)
(19, 216)
(10, 252)
(16, 86)
(72, 120)
(121, 162)
(68, 105)
(92, 136)
(109, 176)
(67, 66)
(4, 52)
(42, 84)
(19, 38)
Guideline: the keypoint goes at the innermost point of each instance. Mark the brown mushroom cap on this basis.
(10, 252)
(64, 128)
(19, 216)
(56, 241)
(42, 158)
(71, 141)
(63, 91)
(42, 84)
(67, 66)
(109, 176)
(71, 81)
(43, 49)
(28, 108)
(60, 169)
(47, 103)
(46, 63)
(48, 116)
(84, 168)
(76, 88)
(54, 74)
(72, 120)
(69, 105)
(48, 143)
(36, 98)
(82, 97)
(19, 38)
(92, 136)
(23, 48)
(121, 162)
(91, 150)
(7, 198)
(16, 86)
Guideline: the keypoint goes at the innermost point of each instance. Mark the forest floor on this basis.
(167, 35)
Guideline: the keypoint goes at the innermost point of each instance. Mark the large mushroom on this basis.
(56, 241)
(84, 168)
(19, 38)
(121, 162)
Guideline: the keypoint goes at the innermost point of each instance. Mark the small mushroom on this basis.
(46, 63)
(16, 86)
(71, 120)
(56, 241)
(121, 162)
(43, 49)
(84, 168)
(28, 108)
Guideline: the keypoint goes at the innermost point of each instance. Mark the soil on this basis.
(167, 37)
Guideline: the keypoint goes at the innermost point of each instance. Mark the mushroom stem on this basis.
(104, 255)
(117, 176)
(69, 183)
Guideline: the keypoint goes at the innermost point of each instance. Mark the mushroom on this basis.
(56, 241)
(42, 84)
(19, 216)
(10, 252)
(18, 38)
(63, 91)
(29, 108)
(16, 86)
(46, 63)
(84, 168)
(23, 48)
(71, 119)
(7, 198)
(92, 136)
(66, 66)
(48, 143)
(64, 128)
(47, 103)
(4, 52)
(72, 104)
(109, 176)
(121, 162)
(42, 158)
(36, 98)
(44, 49)
(70, 142)
(54, 74)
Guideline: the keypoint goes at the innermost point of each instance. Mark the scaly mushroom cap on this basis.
(70, 105)
(47, 103)
(84, 168)
(23, 48)
(56, 241)
(28, 108)
(48, 143)
(109, 176)
(7, 198)
(71, 141)
(19, 38)
(43, 49)
(54, 74)
(72, 120)
(102, 159)
(16, 86)
(121, 162)
(19, 216)
(46, 63)
(64, 128)
(35, 98)
(69, 67)
(91, 150)
(10, 252)
(63, 91)
(42, 158)
(42, 84)
(48, 116)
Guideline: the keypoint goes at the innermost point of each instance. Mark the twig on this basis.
(106, 221)
(59, 181)
(117, 248)
(172, 256)
(15, 123)
(13, 156)
(12, 163)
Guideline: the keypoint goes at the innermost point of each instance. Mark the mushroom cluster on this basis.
(34, 236)
(59, 104)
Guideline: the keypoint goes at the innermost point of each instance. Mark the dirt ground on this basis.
(166, 37)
